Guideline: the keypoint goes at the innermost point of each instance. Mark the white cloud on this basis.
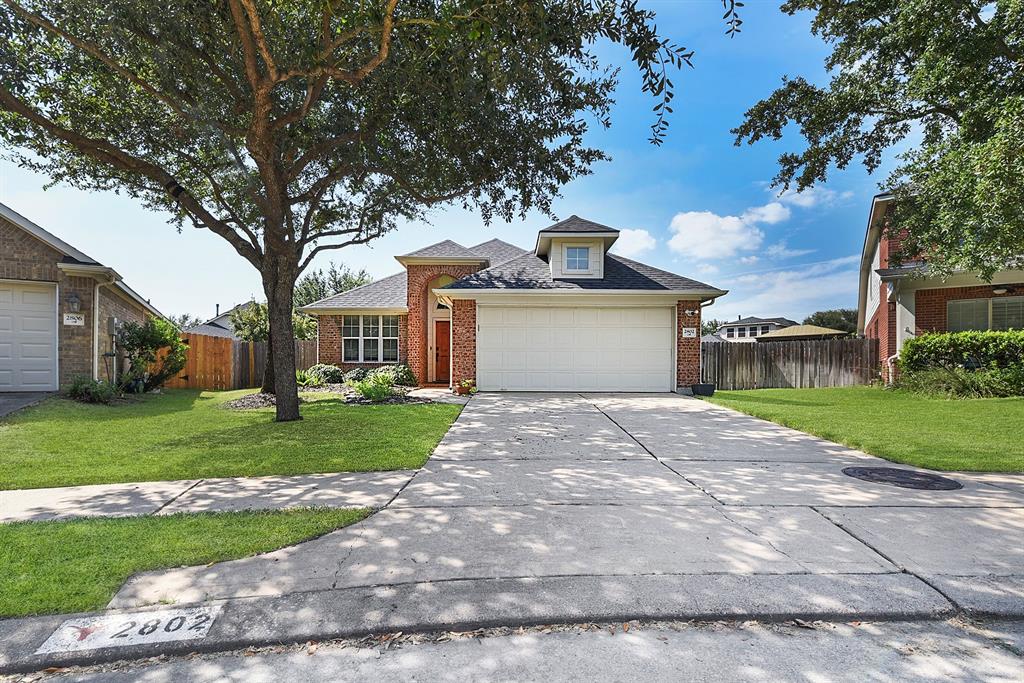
(749, 259)
(633, 243)
(706, 235)
(707, 268)
(793, 292)
(813, 196)
(781, 251)
(770, 213)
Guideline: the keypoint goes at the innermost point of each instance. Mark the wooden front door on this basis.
(442, 350)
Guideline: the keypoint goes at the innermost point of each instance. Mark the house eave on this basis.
(357, 310)
(439, 260)
(699, 294)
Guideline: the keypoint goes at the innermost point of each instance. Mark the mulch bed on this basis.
(347, 394)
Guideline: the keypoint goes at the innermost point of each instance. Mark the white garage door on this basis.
(574, 349)
(28, 337)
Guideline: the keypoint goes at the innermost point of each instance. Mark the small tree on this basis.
(709, 326)
(184, 321)
(154, 351)
(318, 285)
(844, 319)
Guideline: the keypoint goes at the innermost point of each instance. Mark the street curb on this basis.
(468, 604)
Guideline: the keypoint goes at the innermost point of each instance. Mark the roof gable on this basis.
(576, 224)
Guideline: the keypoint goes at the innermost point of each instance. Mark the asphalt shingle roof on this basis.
(497, 251)
(531, 272)
(211, 330)
(576, 224)
(388, 292)
(445, 249)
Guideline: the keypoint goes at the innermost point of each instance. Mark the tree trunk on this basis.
(268, 370)
(279, 285)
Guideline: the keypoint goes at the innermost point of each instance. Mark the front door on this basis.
(442, 350)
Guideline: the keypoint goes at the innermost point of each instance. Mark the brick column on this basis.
(418, 278)
(687, 348)
(463, 340)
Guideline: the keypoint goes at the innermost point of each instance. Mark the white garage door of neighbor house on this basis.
(28, 337)
(574, 348)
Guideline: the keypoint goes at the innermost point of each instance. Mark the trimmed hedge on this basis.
(327, 374)
(400, 375)
(956, 349)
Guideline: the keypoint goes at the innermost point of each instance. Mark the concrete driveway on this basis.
(569, 506)
(11, 401)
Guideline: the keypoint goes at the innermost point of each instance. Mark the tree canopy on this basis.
(251, 322)
(941, 85)
(844, 319)
(291, 128)
(318, 284)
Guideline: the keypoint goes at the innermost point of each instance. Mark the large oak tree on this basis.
(941, 84)
(291, 127)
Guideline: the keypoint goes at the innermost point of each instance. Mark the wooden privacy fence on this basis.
(785, 364)
(223, 363)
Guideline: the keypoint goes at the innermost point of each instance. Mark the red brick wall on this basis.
(930, 304)
(419, 277)
(687, 349)
(463, 340)
(329, 342)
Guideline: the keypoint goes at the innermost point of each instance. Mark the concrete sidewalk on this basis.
(559, 508)
(343, 490)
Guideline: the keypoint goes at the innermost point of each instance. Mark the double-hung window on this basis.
(753, 331)
(764, 329)
(369, 338)
(577, 258)
(741, 331)
(730, 332)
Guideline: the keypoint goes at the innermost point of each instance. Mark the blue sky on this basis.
(697, 205)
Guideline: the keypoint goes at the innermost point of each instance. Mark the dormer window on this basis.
(577, 259)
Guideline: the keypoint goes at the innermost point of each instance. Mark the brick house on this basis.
(565, 316)
(57, 306)
(899, 301)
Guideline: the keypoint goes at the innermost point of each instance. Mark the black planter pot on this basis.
(703, 389)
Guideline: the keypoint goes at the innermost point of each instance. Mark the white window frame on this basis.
(565, 260)
(730, 332)
(990, 300)
(765, 329)
(379, 337)
(741, 331)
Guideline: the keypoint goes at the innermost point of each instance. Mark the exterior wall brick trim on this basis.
(687, 348)
(463, 340)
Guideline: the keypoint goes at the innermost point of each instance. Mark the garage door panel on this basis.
(28, 338)
(575, 349)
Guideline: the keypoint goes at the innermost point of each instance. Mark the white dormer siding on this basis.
(558, 258)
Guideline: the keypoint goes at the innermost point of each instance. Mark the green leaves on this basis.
(941, 79)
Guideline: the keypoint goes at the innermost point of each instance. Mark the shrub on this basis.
(959, 349)
(306, 378)
(328, 374)
(958, 382)
(400, 375)
(154, 350)
(355, 375)
(376, 387)
(88, 390)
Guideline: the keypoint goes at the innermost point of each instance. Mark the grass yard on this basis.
(982, 435)
(74, 566)
(186, 434)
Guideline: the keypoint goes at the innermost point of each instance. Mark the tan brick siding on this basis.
(463, 340)
(114, 304)
(687, 348)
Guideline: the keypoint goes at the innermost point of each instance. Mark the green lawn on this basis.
(74, 566)
(982, 435)
(187, 434)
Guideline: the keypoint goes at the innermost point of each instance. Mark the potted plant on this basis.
(703, 389)
(465, 387)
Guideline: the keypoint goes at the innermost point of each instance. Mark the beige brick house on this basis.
(564, 316)
(57, 306)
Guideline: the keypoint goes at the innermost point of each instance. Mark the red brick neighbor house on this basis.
(566, 316)
(58, 308)
(900, 301)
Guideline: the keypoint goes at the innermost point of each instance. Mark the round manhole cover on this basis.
(907, 479)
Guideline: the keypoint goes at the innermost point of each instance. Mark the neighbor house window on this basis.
(1008, 313)
(730, 332)
(967, 314)
(764, 329)
(742, 331)
(577, 258)
(369, 338)
(753, 331)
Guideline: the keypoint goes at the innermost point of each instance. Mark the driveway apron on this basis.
(618, 491)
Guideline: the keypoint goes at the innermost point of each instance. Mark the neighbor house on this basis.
(749, 328)
(898, 301)
(59, 309)
(802, 333)
(220, 324)
(564, 316)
